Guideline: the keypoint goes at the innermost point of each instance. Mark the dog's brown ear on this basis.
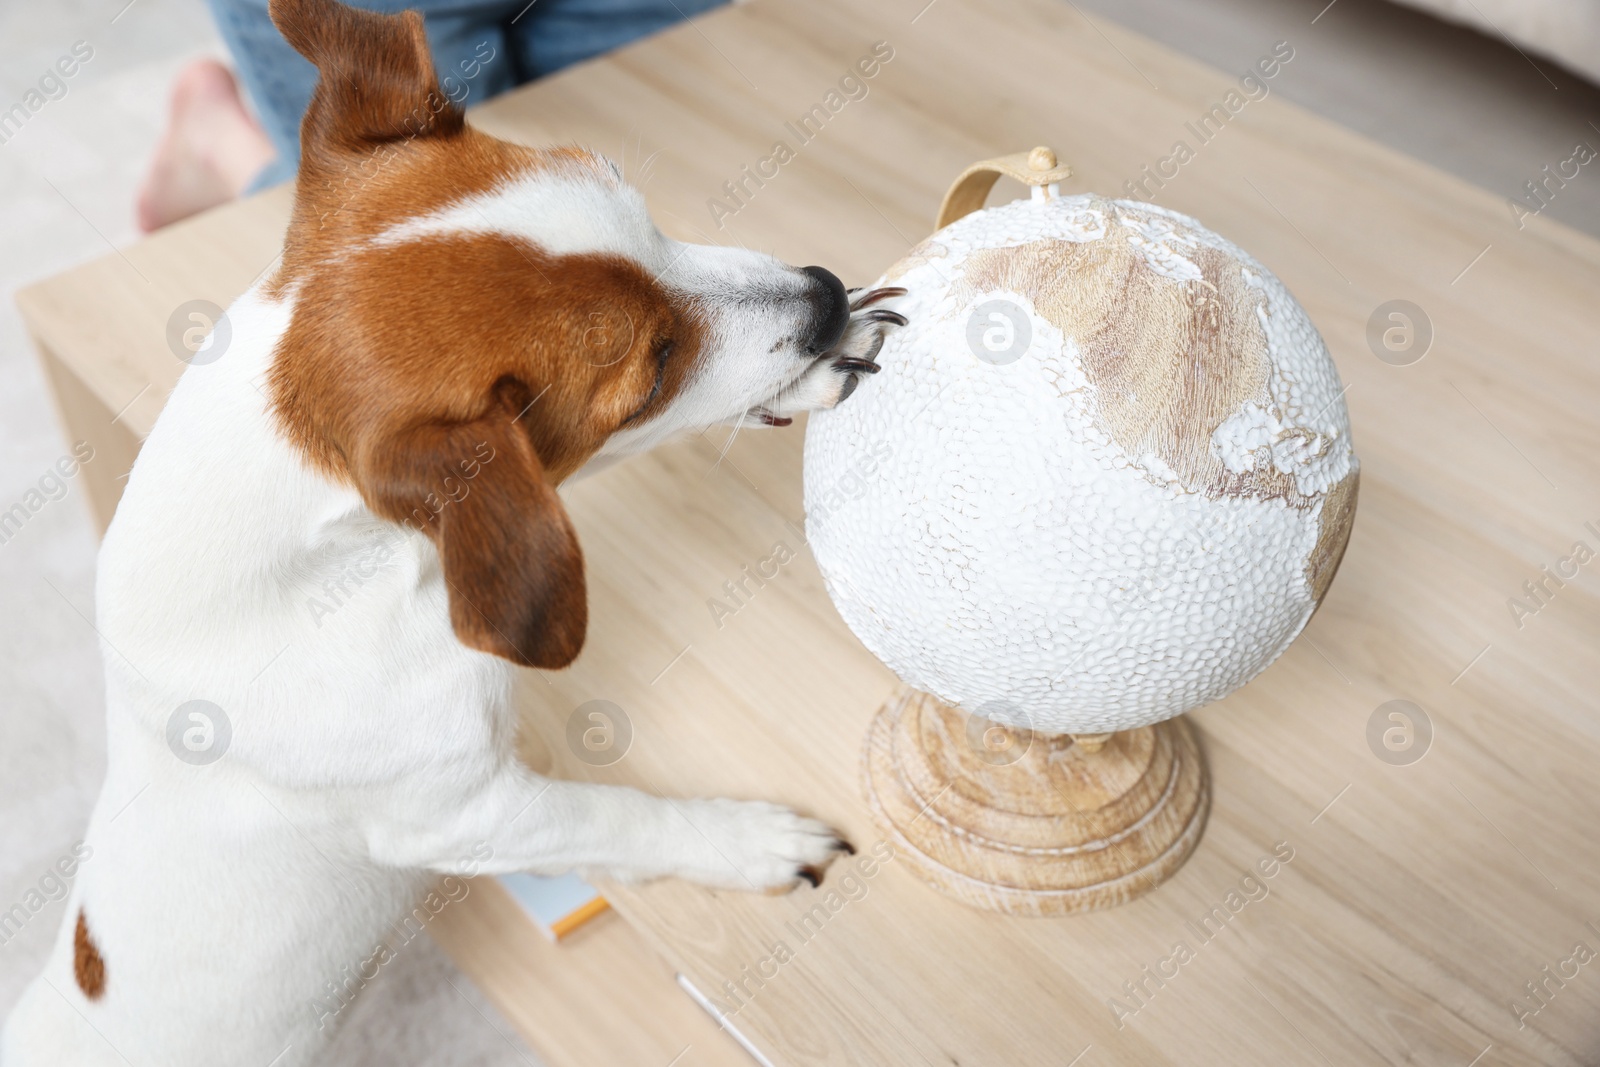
(376, 81)
(510, 556)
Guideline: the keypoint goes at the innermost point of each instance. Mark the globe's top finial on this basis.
(1038, 168)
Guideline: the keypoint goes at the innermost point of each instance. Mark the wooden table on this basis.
(1420, 899)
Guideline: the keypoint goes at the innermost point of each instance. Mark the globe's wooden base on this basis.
(1034, 824)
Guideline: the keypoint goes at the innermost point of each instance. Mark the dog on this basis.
(458, 325)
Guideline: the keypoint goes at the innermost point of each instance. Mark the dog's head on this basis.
(474, 320)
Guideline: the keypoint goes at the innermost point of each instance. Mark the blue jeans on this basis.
(480, 48)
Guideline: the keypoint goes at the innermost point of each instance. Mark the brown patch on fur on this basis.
(1338, 515)
(405, 363)
(87, 965)
(425, 331)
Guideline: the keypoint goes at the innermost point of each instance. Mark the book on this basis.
(557, 906)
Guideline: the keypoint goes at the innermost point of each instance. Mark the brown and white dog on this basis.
(458, 325)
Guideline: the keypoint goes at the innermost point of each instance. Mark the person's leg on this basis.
(210, 152)
(278, 79)
(552, 34)
(213, 150)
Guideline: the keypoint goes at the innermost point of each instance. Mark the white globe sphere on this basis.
(1104, 476)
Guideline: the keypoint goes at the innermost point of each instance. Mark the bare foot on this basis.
(210, 151)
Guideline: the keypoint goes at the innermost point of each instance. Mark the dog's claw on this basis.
(885, 315)
(846, 847)
(886, 293)
(861, 365)
(812, 875)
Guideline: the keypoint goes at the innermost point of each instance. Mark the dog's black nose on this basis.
(832, 310)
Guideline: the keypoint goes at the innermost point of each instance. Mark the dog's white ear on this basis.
(376, 80)
(510, 555)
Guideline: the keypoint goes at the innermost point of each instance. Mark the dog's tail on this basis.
(377, 81)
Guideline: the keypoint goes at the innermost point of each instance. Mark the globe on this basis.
(1103, 477)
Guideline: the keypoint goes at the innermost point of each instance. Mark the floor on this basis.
(1465, 102)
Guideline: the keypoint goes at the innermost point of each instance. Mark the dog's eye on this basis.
(663, 353)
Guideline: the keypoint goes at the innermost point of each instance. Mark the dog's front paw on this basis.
(757, 846)
(836, 373)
